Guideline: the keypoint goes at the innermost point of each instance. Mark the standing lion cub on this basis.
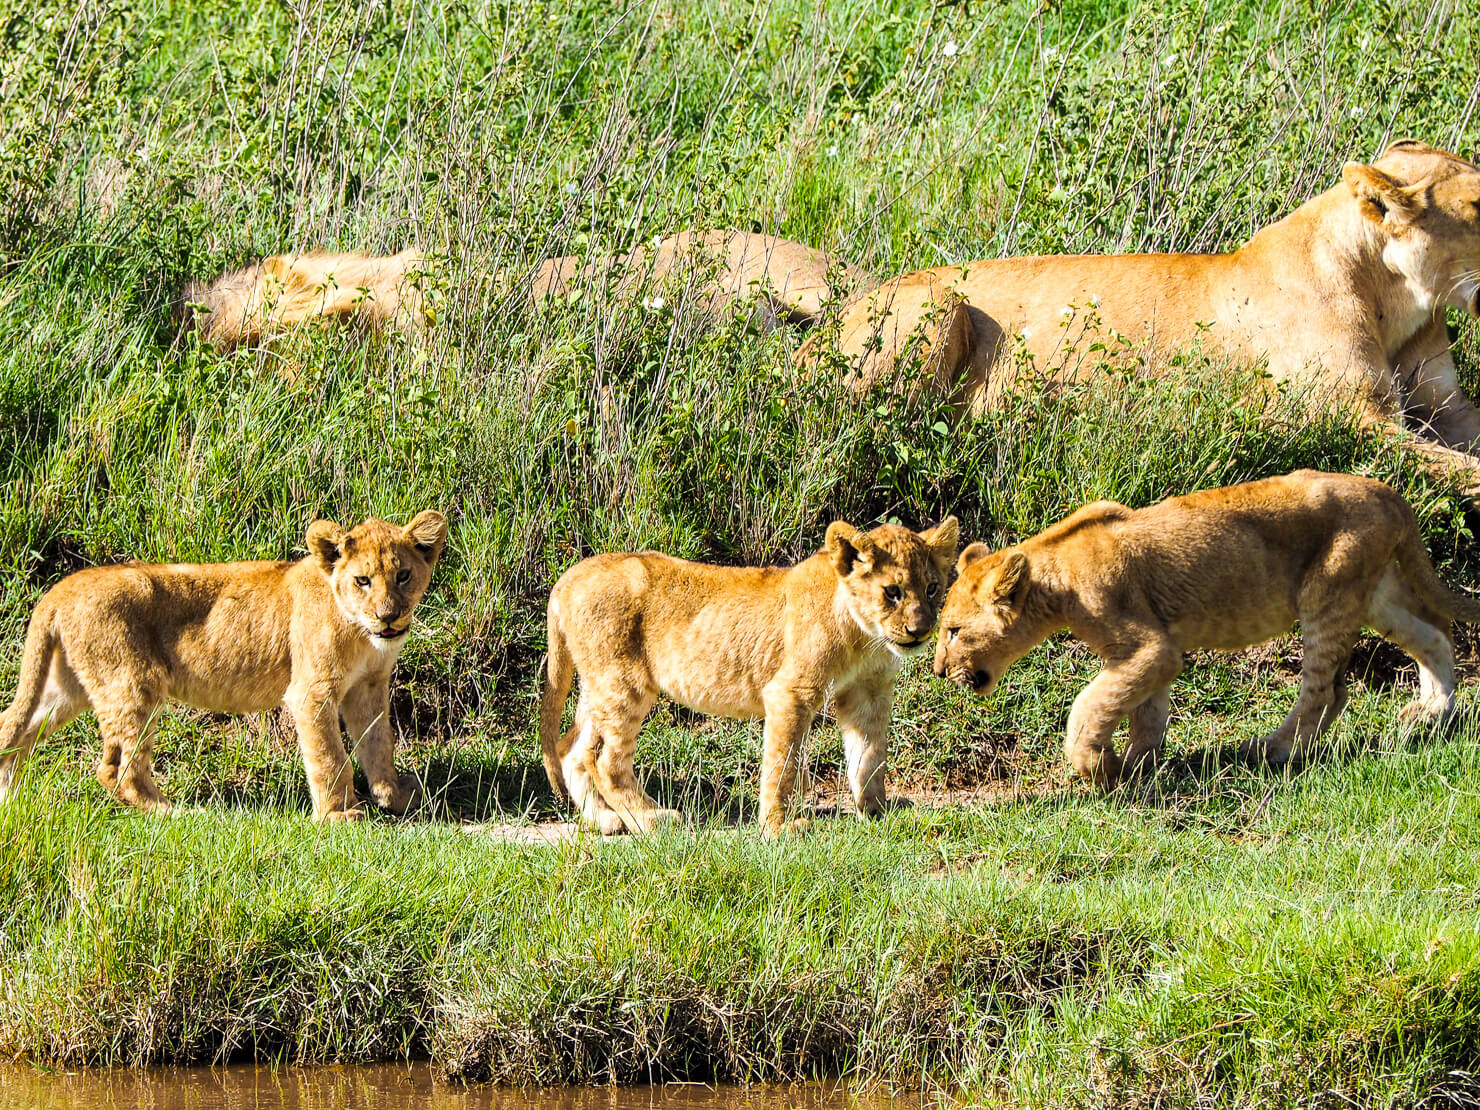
(1222, 568)
(772, 642)
(319, 636)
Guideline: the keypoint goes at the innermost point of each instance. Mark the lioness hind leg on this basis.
(1400, 616)
(1148, 728)
(129, 730)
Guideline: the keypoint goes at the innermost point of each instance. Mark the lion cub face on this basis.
(983, 625)
(1428, 203)
(378, 571)
(894, 579)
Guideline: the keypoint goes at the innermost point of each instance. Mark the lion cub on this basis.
(319, 636)
(1223, 568)
(737, 642)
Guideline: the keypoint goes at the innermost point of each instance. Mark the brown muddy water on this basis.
(381, 1087)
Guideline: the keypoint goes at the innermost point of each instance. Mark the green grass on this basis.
(1217, 936)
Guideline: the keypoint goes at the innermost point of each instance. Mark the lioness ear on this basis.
(974, 553)
(848, 547)
(943, 540)
(428, 531)
(1012, 581)
(325, 544)
(1380, 198)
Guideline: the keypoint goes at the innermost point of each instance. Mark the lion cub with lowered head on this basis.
(737, 642)
(1222, 568)
(319, 636)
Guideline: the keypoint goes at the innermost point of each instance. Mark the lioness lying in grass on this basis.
(1222, 568)
(319, 636)
(1346, 294)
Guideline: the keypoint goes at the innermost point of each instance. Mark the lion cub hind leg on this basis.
(1117, 691)
(578, 750)
(127, 721)
(1398, 614)
(1328, 648)
(617, 723)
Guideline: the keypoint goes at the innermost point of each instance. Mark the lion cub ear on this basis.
(1380, 198)
(974, 553)
(942, 541)
(848, 547)
(1012, 581)
(325, 544)
(428, 531)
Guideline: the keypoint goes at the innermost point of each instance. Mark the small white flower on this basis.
(1051, 55)
(653, 304)
(1026, 334)
(950, 48)
(832, 150)
(1357, 112)
(572, 188)
(1094, 300)
(1169, 61)
(657, 241)
(1066, 311)
(143, 154)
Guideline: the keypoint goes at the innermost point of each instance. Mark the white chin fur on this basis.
(910, 651)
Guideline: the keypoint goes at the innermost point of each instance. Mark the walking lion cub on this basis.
(772, 642)
(319, 636)
(1222, 568)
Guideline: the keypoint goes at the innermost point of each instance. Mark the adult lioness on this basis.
(286, 291)
(789, 280)
(319, 636)
(1223, 568)
(1348, 290)
(737, 642)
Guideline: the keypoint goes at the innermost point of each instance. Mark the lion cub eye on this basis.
(403, 577)
(951, 634)
(362, 582)
(893, 593)
(932, 589)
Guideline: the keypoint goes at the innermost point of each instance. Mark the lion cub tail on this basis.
(1417, 570)
(559, 671)
(41, 642)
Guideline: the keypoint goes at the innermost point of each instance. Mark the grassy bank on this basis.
(1219, 935)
